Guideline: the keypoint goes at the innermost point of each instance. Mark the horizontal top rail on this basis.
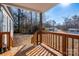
(66, 34)
(4, 32)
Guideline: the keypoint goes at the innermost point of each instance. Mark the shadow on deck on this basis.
(39, 50)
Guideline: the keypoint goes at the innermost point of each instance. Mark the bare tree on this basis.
(72, 22)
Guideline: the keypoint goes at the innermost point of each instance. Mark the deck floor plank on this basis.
(33, 51)
(49, 54)
(37, 51)
(40, 52)
(43, 53)
(46, 53)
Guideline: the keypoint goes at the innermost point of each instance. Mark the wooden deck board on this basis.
(33, 50)
(43, 53)
(38, 51)
(49, 54)
(46, 53)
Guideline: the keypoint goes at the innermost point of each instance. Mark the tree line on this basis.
(25, 21)
(69, 22)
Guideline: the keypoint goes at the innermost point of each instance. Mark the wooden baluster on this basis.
(72, 47)
(64, 45)
(56, 42)
(49, 39)
(42, 38)
(78, 47)
(45, 38)
(9, 41)
(53, 40)
(37, 38)
(59, 42)
(0, 40)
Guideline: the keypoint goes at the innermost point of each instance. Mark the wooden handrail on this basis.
(76, 36)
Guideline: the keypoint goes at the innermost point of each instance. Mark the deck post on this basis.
(8, 41)
(0, 40)
(41, 27)
(11, 41)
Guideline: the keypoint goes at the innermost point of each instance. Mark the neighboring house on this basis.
(73, 30)
(52, 29)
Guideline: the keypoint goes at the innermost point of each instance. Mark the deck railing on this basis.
(35, 39)
(67, 44)
(5, 36)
